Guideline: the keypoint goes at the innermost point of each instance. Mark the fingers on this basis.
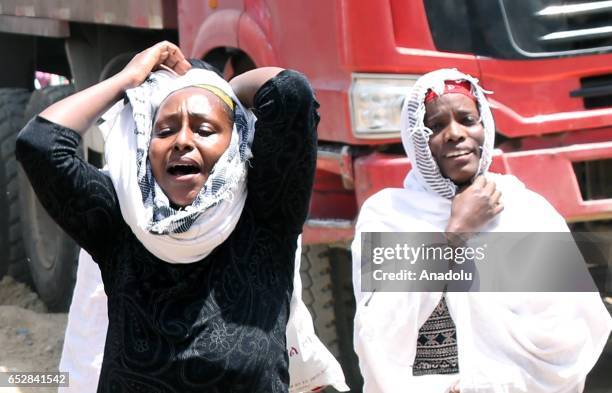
(170, 57)
(480, 181)
(483, 186)
(176, 60)
(496, 197)
(490, 188)
(170, 70)
(163, 55)
(495, 202)
(478, 184)
(182, 66)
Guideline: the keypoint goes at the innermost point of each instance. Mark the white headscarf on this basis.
(175, 235)
(415, 135)
(507, 342)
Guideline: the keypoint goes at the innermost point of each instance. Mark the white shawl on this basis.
(190, 234)
(507, 342)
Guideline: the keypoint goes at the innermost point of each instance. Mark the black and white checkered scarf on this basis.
(175, 235)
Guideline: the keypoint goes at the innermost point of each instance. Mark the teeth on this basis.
(457, 153)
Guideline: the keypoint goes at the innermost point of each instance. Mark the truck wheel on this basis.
(328, 294)
(52, 255)
(12, 105)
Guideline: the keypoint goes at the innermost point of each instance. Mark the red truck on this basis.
(549, 64)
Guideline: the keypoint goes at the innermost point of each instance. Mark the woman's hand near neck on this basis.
(80, 110)
(472, 208)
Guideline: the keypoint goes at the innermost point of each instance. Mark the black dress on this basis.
(217, 325)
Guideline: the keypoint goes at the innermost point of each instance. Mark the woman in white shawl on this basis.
(504, 342)
(197, 263)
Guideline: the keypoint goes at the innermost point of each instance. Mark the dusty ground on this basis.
(30, 339)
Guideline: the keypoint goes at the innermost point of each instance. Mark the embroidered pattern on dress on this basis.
(437, 344)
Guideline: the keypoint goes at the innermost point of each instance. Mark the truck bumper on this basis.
(550, 172)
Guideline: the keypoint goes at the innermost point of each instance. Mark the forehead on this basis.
(197, 100)
(451, 102)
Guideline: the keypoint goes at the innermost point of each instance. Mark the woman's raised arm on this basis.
(246, 85)
(281, 172)
(95, 100)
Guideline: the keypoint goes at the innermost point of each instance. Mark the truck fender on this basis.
(218, 30)
(253, 41)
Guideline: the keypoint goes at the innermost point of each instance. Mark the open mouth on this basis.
(183, 169)
(458, 153)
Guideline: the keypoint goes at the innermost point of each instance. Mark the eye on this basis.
(470, 120)
(436, 127)
(205, 131)
(163, 132)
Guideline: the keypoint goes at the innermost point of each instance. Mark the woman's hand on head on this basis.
(94, 100)
(474, 207)
(163, 55)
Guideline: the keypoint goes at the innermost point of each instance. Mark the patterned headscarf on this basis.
(415, 135)
(187, 234)
(228, 171)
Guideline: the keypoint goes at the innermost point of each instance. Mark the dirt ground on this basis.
(30, 338)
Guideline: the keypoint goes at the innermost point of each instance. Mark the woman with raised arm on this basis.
(196, 252)
(468, 342)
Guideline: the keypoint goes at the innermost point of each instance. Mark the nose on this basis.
(184, 139)
(454, 132)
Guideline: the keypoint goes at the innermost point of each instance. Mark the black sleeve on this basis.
(78, 196)
(284, 152)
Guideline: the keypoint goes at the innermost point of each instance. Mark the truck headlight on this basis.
(376, 103)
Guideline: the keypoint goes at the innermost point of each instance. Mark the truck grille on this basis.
(593, 179)
(554, 27)
(595, 91)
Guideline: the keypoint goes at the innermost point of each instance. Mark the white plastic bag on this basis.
(311, 365)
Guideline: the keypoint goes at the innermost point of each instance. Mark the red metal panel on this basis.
(407, 20)
(533, 96)
(253, 40)
(304, 35)
(205, 25)
(322, 235)
(371, 46)
(330, 200)
(557, 140)
(342, 37)
(377, 171)
(549, 172)
(219, 30)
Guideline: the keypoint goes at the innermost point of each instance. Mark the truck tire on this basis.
(328, 294)
(52, 255)
(12, 105)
